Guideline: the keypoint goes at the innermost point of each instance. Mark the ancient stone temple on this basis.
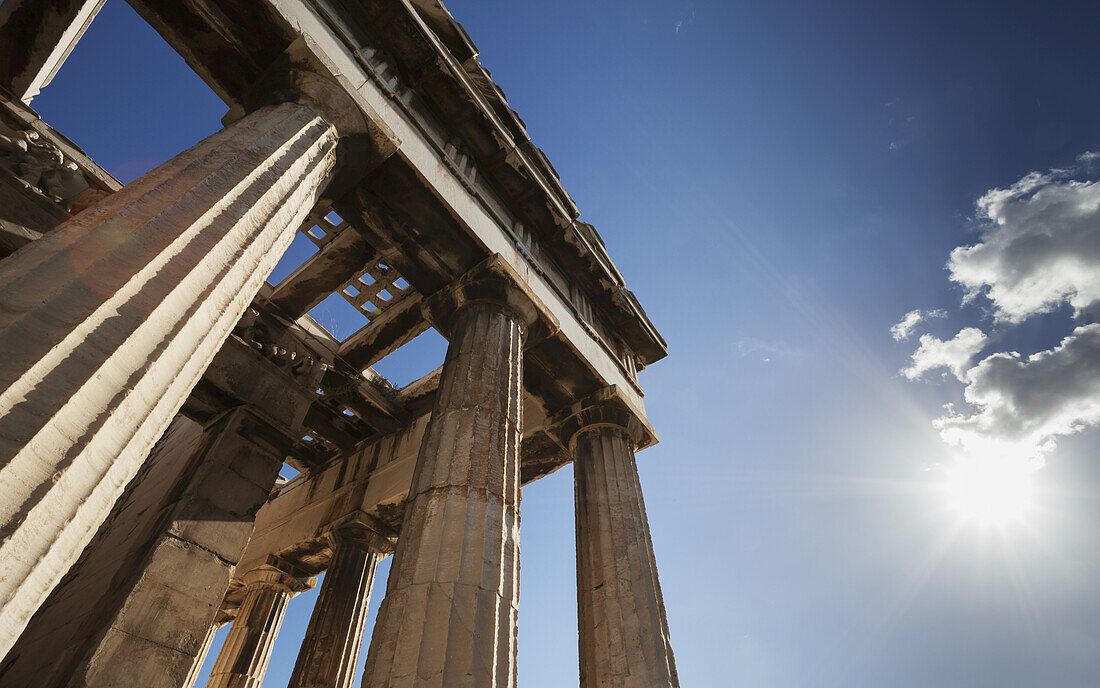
(153, 384)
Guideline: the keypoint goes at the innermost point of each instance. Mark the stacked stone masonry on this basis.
(153, 385)
(449, 615)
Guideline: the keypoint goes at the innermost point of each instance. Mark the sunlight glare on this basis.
(991, 491)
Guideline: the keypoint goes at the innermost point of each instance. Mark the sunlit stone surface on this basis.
(449, 616)
(123, 308)
(624, 638)
(107, 323)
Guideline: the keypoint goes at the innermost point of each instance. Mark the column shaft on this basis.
(449, 616)
(330, 649)
(200, 658)
(247, 648)
(107, 324)
(138, 604)
(624, 640)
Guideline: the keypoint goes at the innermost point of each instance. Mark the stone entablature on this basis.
(516, 169)
(47, 161)
(522, 186)
(371, 128)
(44, 177)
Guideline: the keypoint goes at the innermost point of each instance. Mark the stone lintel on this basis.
(492, 281)
(604, 408)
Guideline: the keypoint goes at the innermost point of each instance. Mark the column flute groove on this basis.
(108, 323)
(246, 651)
(330, 649)
(449, 615)
(624, 639)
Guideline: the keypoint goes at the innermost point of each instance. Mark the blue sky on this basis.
(780, 183)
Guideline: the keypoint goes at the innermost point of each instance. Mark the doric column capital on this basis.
(278, 574)
(605, 408)
(305, 74)
(247, 648)
(363, 529)
(492, 282)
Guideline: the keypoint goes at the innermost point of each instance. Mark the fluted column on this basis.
(624, 639)
(449, 616)
(200, 658)
(107, 323)
(330, 649)
(247, 649)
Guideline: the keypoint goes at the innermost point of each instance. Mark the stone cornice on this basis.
(461, 92)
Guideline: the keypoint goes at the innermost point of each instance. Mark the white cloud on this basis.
(1088, 158)
(954, 354)
(905, 327)
(1023, 403)
(1040, 248)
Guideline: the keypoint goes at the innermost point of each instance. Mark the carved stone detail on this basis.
(246, 651)
(43, 167)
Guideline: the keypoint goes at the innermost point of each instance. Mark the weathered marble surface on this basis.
(330, 650)
(624, 639)
(246, 651)
(108, 322)
(449, 616)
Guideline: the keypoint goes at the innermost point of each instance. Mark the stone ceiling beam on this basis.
(396, 327)
(36, 36)
(364, 400)
(228, 44)
(322, 273)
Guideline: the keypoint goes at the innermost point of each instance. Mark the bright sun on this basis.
(991, 491)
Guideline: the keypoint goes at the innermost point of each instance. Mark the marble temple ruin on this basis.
(153, 384)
